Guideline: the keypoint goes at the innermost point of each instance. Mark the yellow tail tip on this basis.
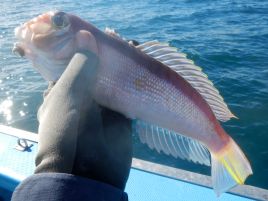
(229, 168)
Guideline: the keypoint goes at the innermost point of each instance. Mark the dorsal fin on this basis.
(112, 32)
(191, 73)
(171, 143)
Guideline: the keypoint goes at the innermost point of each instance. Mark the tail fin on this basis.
(229, 168)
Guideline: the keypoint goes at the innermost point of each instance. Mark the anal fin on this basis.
(172, 143)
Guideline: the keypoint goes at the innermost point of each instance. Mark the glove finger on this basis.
(59, 116)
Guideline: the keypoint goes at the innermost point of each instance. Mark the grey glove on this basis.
(77, 136)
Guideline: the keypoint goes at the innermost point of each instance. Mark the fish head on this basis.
(50, 40)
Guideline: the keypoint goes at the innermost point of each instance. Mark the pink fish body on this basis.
(176, 107)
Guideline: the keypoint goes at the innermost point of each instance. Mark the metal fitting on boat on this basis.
(23, 145)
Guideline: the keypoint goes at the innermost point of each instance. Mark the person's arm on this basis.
(85, 151)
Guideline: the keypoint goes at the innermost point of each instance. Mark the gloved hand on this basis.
(79, 137)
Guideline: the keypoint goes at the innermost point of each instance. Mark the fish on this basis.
(175, 108)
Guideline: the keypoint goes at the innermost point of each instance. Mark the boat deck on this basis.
(147, 181)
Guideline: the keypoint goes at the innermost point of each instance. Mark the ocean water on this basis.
(228, 39)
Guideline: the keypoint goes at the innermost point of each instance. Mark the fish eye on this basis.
(59, 20)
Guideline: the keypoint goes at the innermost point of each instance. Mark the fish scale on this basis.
(168, 101)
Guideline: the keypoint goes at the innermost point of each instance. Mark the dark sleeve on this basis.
(67, 187)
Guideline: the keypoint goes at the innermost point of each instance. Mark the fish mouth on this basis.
(24, 36)
(25, 33)
(18, 50)
(34, 32)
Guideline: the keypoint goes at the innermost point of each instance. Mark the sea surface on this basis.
(227, 38)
